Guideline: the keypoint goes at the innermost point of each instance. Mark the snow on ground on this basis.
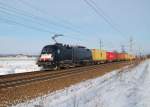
(10, 65)
(130, 88)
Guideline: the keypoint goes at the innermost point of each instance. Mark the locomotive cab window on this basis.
(47, 50)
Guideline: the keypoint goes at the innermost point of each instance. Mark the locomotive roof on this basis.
(65, 45)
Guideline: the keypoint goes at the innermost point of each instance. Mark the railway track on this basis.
(15, 80)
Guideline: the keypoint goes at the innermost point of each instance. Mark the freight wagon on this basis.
(131, 57)
(121, 56)
(98, 56)
(111, 56)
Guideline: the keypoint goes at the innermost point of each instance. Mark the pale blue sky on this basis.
(27, 25)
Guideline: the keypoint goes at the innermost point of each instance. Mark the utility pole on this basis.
(140, 52)
(100, 44)
(131, 44)
(122, 48)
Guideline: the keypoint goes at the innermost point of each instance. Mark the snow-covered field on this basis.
(130, 88)
(10, 65)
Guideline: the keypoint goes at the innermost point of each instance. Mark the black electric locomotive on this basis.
(59, 55)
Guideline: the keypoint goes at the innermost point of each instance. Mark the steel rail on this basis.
(37, 77)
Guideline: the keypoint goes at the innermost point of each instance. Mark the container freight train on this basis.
(65, 56)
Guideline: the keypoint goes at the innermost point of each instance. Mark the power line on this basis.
(32, 6)
(12, 22)
(28, 4)
(67, 25)
(13, 15)
(101, 14)
(8, 20)
(33, 17)
(100, 10)
(20, 15)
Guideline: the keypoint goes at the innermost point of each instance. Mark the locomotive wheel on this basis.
(56, 68)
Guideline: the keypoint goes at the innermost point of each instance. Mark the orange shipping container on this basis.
(121, 56)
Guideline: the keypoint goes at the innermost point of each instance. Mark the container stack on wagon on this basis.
(101, 56)
(131, 57)
(111, 56)
(98, 56)
(126, 57)
(122, 56)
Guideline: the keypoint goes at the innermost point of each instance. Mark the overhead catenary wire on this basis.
(21, 16)
(9, 21)
(12, 22)
(15, 23)
(42, 11)
(12, 15)
(101, 14)
(28, 17)
(35, 17)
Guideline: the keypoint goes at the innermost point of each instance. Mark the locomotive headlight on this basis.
(50, 57)
(46, 57)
